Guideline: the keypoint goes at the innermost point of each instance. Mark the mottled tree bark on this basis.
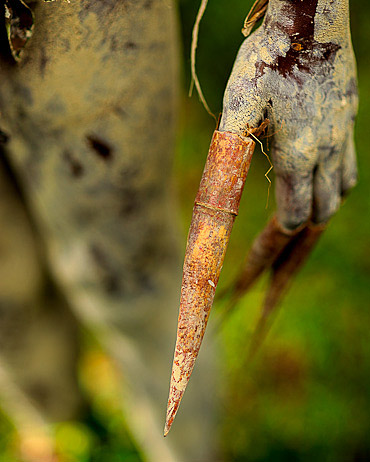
(298, 69)
(90, 117)
(38, 335)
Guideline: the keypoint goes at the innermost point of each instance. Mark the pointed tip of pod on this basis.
(169, 421)
(172, 407)
(166, 430)
(215, 209)
(168, 424)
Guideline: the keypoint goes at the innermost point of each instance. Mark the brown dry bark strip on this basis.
(266, 248)
(257, 12)
(215, 209)
(264, 251)
(284, 269)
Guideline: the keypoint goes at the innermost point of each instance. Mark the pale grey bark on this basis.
(298, 69)
(90, 118)
(38, 335)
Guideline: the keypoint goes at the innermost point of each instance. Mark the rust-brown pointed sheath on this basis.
(215, 209)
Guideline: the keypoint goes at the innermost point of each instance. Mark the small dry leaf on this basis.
(257, 11)
(19, 25)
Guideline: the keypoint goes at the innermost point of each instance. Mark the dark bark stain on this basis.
(330, 150)
(133, 199)
(130, 202)
(76, 168)
(352, 89)
(4, 137)
(101, 148)
(130, 45)
(129, 173)
(43, 61)
(101, 7)
(120, 111)
(305, 53)
(260, 70)
(312, 54)
(145, 282)
(143, 264)
(299, 17)
(40, 393)
(110, 280)
(26, 94)
(114, 43)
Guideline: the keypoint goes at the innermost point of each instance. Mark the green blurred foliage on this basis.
(306, 396)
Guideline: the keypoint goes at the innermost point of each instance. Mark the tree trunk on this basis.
(89, 114)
